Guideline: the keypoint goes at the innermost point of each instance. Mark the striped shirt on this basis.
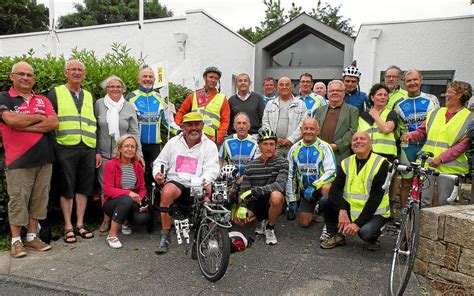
(266, 176)
(129, 179)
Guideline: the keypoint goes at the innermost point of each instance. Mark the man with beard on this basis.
(186, 156)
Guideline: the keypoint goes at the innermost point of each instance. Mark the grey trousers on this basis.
(444, 188)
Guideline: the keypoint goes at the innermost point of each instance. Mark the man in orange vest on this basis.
(212, 105)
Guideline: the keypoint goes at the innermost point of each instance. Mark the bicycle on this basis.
(408, 234)
(210, 221)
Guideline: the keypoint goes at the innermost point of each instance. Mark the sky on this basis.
(249, 13)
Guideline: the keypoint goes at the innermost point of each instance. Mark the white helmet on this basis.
(351, 71)
(228, 172)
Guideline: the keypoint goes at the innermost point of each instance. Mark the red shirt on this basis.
(26, 149)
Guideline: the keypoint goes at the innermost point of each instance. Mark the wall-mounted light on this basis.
(181, 40)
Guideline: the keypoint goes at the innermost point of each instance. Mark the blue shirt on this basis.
(239, 152)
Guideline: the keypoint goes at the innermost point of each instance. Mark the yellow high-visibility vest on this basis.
(381, 143)
(441, 136)
(211, 113)
(75, 127)
(358, 185)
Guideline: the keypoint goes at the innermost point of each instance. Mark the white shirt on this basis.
(181, 163)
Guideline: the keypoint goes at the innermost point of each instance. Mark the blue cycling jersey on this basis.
(313, 102)
(151, 113)
(267, 99)
(309, 165)
(412, 111)
(359, 100)
(239, 152)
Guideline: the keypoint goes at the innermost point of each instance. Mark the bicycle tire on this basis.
(213, 250)
(405, 251)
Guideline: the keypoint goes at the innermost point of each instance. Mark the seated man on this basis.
(357, 203)
(312, 169)
(262, 190)
(239, 148)
(188, 155)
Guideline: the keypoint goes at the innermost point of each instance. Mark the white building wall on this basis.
(208, 43)
(436, 44)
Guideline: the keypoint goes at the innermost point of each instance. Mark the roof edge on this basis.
(419, 20)
(200, 10)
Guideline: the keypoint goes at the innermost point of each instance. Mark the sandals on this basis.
(69, 236)
(113, 242)
(84, 233)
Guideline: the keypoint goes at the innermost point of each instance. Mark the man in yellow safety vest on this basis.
(76, 147)
(357, 203)
(211, 104)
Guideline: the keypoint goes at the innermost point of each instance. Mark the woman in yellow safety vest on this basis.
(445, 130)
(380, 123)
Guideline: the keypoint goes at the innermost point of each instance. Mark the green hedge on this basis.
(50, 72)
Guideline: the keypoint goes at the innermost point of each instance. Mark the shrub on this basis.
(50, 73)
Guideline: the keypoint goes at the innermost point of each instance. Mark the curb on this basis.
(48, 285)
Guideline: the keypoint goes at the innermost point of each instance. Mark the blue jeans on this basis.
(368, 232)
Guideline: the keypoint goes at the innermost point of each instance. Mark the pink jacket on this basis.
(113, 180)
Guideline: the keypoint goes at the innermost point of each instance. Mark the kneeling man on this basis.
(263, 186)
(357, 203)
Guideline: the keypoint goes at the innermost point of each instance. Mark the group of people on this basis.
(325, 150)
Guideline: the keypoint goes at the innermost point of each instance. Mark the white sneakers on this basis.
(270, 237)
(126, 229)
(261, 226)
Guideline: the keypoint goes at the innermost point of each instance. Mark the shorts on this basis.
(307, 206)
(76, 170)
(260, 206)
(29, 193)
(407, 156)
(185, 197)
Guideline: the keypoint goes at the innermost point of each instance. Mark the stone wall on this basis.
(446, 250)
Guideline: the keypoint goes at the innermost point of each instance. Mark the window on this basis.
(309, 51)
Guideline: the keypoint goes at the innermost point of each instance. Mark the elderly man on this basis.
(239, 148)
(392, 78)
(312, 101)
(212, 105)
(262, 191)
(338, 121)
(185, 157)
(320, 89)
(76, 147)
(351, 78)
(269, 88)
(357, 203)
(26, 120)
(152, 111)
(284, 116)
(311, 171)
(246, 101)
(412, 111)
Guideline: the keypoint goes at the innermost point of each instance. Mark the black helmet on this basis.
(266, 134)
(212, 69)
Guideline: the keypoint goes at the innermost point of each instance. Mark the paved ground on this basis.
(295, 266)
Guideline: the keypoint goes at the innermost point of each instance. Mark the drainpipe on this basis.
(374, 34)
(52, 30)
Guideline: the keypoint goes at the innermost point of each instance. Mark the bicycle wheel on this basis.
(405, 250)
(213, 250)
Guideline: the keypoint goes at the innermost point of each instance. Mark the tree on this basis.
(22, 16)
(98, 12)
(330, 16)
(275, 17)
